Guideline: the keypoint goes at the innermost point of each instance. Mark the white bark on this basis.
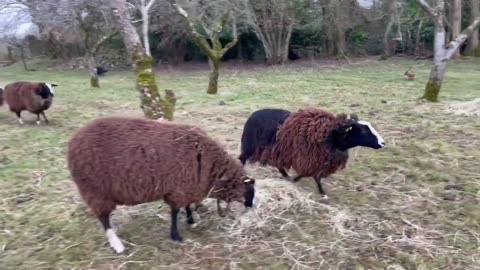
(144, 11)
(442, 51)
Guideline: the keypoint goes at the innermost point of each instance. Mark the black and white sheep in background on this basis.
(33, 97)
(125, 161)
(313, 142)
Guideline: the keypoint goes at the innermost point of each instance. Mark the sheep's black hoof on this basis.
(176, 238)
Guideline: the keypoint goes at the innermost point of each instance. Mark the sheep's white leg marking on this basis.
(114, 241)
(20, 121)
(374, 132)
(38, 122)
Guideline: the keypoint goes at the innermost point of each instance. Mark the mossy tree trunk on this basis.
(214, 64)
(92, 67)
(152, 104)
(443, 52)
(214, 51)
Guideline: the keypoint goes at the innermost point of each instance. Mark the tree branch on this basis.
(425, 6)
(453, 46)
(199, 39)
(102, 41)
(233, 42)
(149, 5)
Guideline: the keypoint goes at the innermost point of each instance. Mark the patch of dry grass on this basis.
(413, 205)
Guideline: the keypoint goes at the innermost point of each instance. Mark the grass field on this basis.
(412, 205)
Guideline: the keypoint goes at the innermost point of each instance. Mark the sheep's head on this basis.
(46, 90)
(234, 191)
(352, 133)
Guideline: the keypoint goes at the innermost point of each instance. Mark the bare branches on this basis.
(425, 6)
(453, 46)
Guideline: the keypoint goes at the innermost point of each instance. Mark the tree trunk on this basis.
(434, 84)
(472, 46)
(387, 52)
(92, 67)
(214, 64)
(417, 39)
(341, 44)
(145, 24)
(22, 56)
(456, 22)
(437, 72)
(153, 106)
(442, 51)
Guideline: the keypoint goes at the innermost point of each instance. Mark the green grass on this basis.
(387, 208)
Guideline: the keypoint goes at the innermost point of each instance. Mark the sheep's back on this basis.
(131, 161)
(302, 144)
(22, 96)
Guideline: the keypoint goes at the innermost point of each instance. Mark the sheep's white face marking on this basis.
(50, 87)
(114, 241)
(380, 140)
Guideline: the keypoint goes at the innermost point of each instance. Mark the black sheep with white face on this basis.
(311, 141)
(356, 133)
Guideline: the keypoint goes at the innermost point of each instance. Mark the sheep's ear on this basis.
(352, 116)
(54, 85)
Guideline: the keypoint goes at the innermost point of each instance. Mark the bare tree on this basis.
(214, 49)
(442, 52)
(169, 26)
(472, 45)
(153, 105)
(393, 19)
(456, 22)
(272, 21)
(96, 28)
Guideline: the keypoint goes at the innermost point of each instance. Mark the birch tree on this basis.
(144, 9)
(209, 43)
(152, 104)
(443, 52)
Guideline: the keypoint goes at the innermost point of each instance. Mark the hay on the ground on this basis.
(469, 108)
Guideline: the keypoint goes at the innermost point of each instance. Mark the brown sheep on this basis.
(313, 142)
(33, 97)
(125, 161)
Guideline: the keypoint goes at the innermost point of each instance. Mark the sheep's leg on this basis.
(173, 229)
(112, 237)
(38, 119)
(190, 219)
(19, 118)
(44, 117)
(284, 173)
(318, 180)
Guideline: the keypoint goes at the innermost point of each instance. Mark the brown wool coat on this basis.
(22, 96)
(126, 161)
(301, 144)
